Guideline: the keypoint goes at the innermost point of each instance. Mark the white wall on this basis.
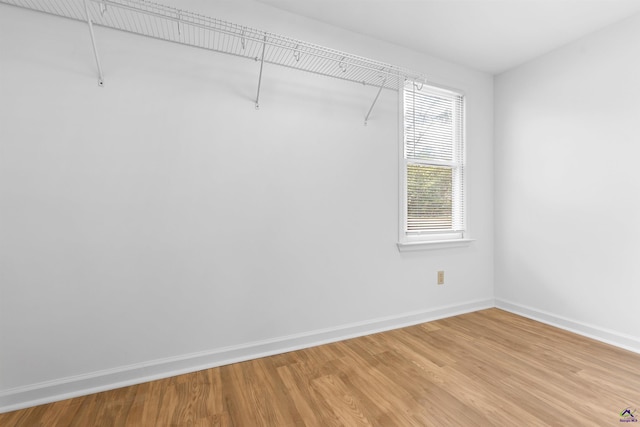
(162, 216)
(567, 183)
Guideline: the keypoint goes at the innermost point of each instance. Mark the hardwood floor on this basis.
(488, 368)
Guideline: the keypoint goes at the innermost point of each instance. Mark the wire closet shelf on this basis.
(181, 26)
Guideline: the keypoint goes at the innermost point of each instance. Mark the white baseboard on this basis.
(617, 339)
(66, 388)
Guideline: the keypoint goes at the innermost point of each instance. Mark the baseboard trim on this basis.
(66, 388)
(607, 336)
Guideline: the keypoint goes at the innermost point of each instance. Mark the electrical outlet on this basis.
(440, 277)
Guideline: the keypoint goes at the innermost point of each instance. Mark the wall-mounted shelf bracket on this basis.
(93, 43)
(264, 47)
(366, 119)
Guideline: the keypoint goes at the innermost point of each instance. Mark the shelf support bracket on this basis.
(264, 47)
(366, 119)
(93, 43)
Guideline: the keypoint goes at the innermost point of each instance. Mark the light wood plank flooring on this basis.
(488, 368)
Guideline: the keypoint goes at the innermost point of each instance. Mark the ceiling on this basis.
(487, 35)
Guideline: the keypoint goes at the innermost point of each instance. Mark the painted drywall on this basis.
(163, 215)
(567, 185)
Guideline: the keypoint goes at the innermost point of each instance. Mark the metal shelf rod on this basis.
(264, 47)
(366, 119)
(93, 43)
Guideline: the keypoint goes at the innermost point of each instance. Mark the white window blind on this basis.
(434, 161)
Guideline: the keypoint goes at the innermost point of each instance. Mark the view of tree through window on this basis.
(429, 201)
(434, 155)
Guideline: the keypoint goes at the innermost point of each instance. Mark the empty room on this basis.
(319, 213)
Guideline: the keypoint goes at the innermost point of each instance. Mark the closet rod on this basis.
(167, 23)
(277, 41)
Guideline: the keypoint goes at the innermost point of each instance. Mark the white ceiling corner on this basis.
(488, 35)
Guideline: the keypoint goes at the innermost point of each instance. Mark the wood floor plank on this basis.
(303, 399)
(394, 406)
(484, 368)
(347, 409)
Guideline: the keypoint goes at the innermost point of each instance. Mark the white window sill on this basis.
(433, 244)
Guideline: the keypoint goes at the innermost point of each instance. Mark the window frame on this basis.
(437, 239)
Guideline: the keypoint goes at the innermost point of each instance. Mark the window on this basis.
(433, 166)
